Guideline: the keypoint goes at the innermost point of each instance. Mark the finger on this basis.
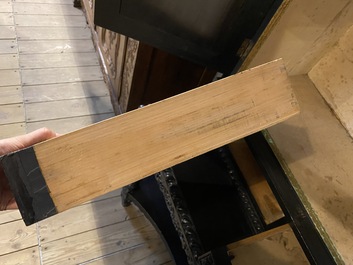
(36, 136)
(23, 141)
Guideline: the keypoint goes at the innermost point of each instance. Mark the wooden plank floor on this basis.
(50, 76)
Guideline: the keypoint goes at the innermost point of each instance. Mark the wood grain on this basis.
(124, 149)
(92, 216)
(319, 151)
(60, 75)
(10, 78)
(16, 236)
(258, 185)
(6, 19)
(11, 130)
(66, 125)
(8, 46)
(46, 9)
(13, 113)
(52, 92)
(50, 21)
(56, 60)
(54, 46)
(100, 242)
(68, 108)
(28, 256)
(10, 95)
(9, 61)
(47, 33)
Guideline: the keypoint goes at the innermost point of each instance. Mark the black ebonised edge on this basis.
(28, 186)
(305, 230)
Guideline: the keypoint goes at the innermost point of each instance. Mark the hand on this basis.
(7, 200)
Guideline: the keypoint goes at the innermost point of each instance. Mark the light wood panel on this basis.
(16, 236)
(10, 78)
(63, 2)
(303, 34)
(100, 242)
(56, 60)
(7, 32)
(280, 247)
(13, 113)
(46, 9)
(266, 201)
(40, 93)
(91, 216)
(261, 236)
(10, 95)
(28, 256)
(9, 61)
(50, 21)
(10, 130)
(8, 46)
(9, 216)
(68, 108)
(333, 77)
(319, 152)
(5, 6)
(55, 46)
(6, 19)
(160, 135)
(60, 75)
(47, 33)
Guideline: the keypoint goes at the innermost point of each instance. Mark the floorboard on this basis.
(28, 256)
(13, 113)
(9, 61)
(10, 130)
(60, 75)
(49, 21)
(8, 46)
(138, 255)
(92, 216)
(64, 2)
(67, 108)
(40, 93)
(10, 95)
(6, 19)
(10, 78)
(7, 32)
(68, 124)
(43, 60)
(53, 46)
(48, 33)
(5, 6)
(46, 9)
(9, 216)
(100, 242)
(16, 236)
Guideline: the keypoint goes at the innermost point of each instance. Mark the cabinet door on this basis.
(207, 32)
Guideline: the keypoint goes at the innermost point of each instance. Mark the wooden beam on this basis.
(257, 183)
(84, 164)
(258, 237)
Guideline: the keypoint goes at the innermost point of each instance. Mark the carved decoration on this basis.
(91, 4)
(247, 205)
(180, 215)
(119, 54)
(128, 72)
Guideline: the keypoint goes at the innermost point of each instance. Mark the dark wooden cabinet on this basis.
(211, 33)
